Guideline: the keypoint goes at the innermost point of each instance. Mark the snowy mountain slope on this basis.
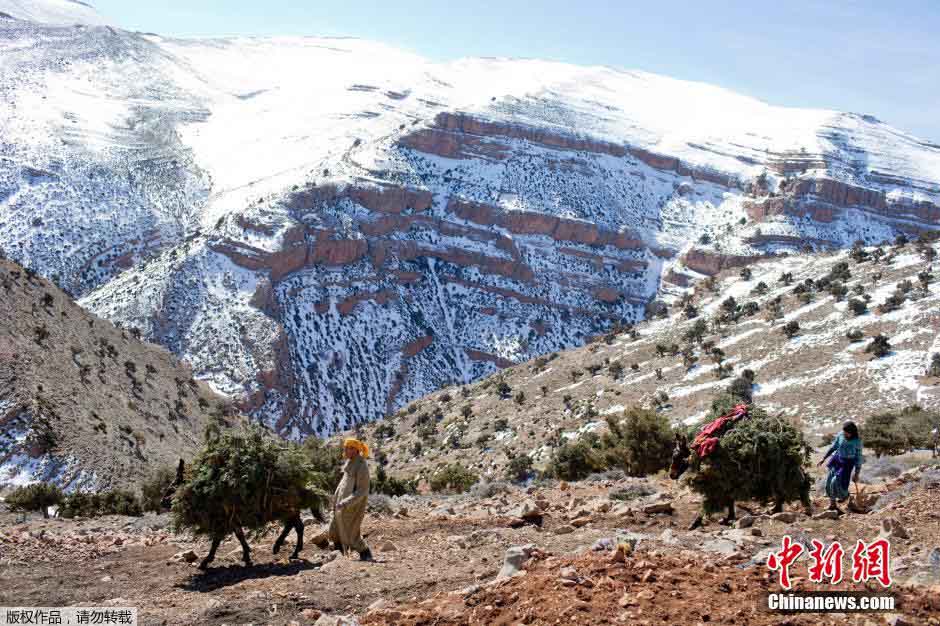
(328, 228)
(818, 378)
(54, 12)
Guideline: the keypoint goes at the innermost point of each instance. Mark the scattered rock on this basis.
(891, 528)
(565, 529)
(514, 559)
(658, 508)
(378, 605)
(757, 532)
(721, 546)
(745, 521)
(311, 615)
(568, 572)
(580, 522)
(386, 546)
(827, 515)
(336, 620)
(785, 517)
(563, 485)
(457, 541)
(187, 556)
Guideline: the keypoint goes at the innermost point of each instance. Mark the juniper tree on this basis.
(879, 346)
(639, 442)
(858, 307)
(791, 328)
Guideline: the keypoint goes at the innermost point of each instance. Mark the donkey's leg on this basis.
(697, 522)
(280, 540)
(216, 540)
(730, 519)
(299, 527)
(246, 551)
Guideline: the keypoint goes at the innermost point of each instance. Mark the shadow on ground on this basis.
(219, 577)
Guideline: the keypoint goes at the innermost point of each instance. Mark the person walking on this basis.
(350, 501)
(844, 466)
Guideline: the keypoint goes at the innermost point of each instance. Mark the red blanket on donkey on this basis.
(707, 439)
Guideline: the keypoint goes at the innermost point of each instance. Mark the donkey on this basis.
(681, 455)
(285, 513)
(681, 460)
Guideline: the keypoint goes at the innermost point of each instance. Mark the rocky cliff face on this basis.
(327, 248)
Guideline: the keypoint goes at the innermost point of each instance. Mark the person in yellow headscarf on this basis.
(350, 501)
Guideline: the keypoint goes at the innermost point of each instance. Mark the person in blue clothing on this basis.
(845, 464)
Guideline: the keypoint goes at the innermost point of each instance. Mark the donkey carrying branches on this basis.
(755, 458)
(244, 481)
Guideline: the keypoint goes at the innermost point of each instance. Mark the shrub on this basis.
(640, 443)
(760, 289)
(503, 389)
(879, 346)
(616, 370)
(576, 460)
(114, 502)
(154, 487)
(858, 307)
(35, 497)
(520, 397)
(742, 388)
(791, 328)
(454, 477)
(918, 425)
(745, 273)
(631, 493)
(392, 486)
(519, 468)
(894, 302)
(487, 489)
(883, 435)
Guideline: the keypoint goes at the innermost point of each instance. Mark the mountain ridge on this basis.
(283, 197)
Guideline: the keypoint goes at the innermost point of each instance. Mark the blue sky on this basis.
(880, 58)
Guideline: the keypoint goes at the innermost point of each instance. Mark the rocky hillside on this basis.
(83, 403)
(709, 337)
(329, 228)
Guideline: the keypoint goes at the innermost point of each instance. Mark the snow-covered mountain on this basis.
(55, 12)
(329, 228)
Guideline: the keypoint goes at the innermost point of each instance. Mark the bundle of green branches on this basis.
(246, 479)
(759, 457)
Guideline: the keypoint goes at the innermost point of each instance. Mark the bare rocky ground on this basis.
(438, 558)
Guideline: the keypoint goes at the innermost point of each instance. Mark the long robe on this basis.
(846, 456)
(353, 494)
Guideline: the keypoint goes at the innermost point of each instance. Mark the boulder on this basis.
(785, 517)
(565, 529)
(580, 522)
(514, 559)
(187, 556)
(891, 528)
(658, 508)
(745, 521)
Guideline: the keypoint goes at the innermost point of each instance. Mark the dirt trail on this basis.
(438, 558)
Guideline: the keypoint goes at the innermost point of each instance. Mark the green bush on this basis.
(391, 486)
(879, 346)
(640, 443)
(883, 435)
(154, 487)
(576, 460)
(114, 502)
(35, 497)
(519, 468)
(454, 477)
(326, 460)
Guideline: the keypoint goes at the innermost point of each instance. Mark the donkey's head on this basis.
(680, 457)
(167, 502)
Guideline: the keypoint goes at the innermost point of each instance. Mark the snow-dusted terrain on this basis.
(328, 227)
